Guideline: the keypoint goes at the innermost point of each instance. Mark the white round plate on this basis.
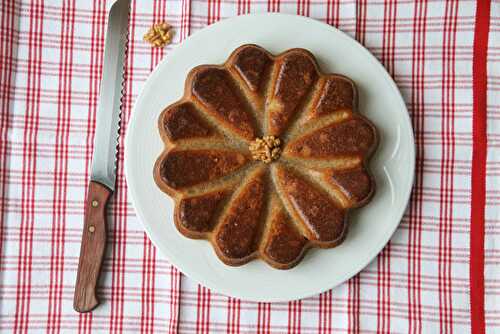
(392, 165)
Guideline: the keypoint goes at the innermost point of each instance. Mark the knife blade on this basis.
(103, 171)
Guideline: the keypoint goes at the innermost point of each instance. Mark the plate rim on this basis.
(348, 275)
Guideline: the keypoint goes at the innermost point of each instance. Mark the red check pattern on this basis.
(439, 273)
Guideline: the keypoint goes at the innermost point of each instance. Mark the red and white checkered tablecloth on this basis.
(440, 273)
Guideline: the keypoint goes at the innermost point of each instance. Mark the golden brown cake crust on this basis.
(277, 209)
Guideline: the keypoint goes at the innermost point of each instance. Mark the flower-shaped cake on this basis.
(265, 155)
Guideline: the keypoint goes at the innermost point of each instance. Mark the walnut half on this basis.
(265, 149)
(159, 35)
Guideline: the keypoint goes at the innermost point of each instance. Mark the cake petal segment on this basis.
(197, 214)
(353, 136)
(356, 184)
(296, 74)
(185, 168)
(236, 238)
(284, 243)
(321, 216)
(337, 93)
(183, 121)
(252, 63)
(215, 89)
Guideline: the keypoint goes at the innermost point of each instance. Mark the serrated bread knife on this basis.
(103, 172)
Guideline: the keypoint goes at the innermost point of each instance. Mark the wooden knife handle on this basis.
(92, 247)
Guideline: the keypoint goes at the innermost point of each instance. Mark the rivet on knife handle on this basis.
(92, 248)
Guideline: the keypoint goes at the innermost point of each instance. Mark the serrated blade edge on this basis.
(109, 107)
